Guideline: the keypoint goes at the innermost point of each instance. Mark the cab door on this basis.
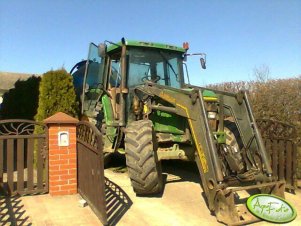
(93, 84)
(113, 87)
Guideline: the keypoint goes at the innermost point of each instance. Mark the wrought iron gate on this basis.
(279, 139)
(91, 181)
(23, 157)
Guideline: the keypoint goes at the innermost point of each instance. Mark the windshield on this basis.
(160, 66)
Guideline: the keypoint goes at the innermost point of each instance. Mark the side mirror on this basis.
(203, 62)
(102, 49)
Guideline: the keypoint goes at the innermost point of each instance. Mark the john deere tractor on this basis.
(135, 93)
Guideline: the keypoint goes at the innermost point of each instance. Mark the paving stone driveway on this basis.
(181, 204)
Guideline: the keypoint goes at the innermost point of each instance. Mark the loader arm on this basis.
(186, 104)
(220, 193)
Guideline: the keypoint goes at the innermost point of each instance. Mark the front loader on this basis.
(135, 93)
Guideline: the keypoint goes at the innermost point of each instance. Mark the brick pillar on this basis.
(62, 155)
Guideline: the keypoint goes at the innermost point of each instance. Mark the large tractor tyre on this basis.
(107, 159)
(234, 139)
(232, 135)
(233, 149)
(141, 158)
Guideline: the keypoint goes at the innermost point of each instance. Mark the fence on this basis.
(23, 157)
(279, 139)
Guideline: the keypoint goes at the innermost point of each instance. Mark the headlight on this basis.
(212, 115)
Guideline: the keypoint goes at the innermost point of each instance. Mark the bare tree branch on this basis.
(261, 73)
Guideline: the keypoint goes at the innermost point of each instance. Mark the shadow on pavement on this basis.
(117, 202)
(181, 171)
(12, 211)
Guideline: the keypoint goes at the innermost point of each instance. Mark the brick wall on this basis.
(62, 159)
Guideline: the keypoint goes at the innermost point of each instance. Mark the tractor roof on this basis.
(147, 45)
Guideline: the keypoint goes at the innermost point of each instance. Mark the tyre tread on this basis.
(144, 169)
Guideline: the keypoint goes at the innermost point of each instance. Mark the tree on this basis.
(21, 102)
(261, 73)
(56, 95)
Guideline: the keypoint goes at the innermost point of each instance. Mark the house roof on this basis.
(8, 79)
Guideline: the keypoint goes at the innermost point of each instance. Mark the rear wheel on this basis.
(141, 158)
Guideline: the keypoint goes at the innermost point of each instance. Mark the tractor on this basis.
(135, 93)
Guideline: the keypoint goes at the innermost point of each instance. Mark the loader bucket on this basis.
(230, 203)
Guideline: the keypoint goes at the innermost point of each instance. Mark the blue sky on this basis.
(36, 36)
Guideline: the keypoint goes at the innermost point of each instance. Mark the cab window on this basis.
(154, 65)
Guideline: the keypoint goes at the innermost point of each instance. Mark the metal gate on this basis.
(279, 139)
(23, 157)
(91, 181)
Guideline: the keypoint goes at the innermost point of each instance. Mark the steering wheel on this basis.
(148, 78)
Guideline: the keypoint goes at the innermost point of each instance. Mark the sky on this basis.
(237, 36)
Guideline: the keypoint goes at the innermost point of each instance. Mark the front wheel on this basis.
(141, 158)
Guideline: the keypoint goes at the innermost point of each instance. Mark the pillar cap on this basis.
(60, 118)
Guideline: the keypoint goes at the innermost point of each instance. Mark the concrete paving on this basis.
(181, 204)
(44, 210)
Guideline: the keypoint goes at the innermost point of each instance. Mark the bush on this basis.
(21, 102)
(273, 99)
(56, 95)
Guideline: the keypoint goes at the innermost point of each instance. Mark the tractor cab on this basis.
(115, 70)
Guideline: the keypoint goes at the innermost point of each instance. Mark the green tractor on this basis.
(135, 93)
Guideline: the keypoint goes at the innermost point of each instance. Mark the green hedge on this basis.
(56, 95)
(21, 102)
